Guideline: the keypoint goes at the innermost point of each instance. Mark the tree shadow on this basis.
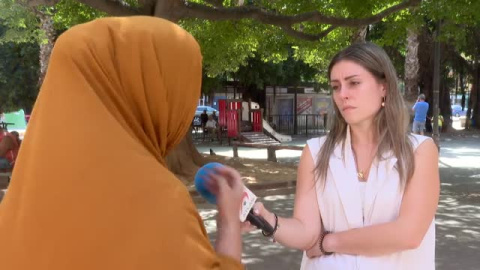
(260, 252)
(457, 226)
(458, 219)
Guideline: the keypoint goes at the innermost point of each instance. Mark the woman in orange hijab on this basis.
(90, 188)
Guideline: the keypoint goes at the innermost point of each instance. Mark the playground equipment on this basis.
(14, 121)
(231, 114)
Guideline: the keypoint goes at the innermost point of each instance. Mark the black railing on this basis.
(307, 124)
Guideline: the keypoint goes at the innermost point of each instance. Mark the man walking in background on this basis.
(420, 108)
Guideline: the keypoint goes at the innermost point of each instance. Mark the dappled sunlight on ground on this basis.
(258, 251)
(458, 219)
(461, 162)
(457, 227)
(260, 153)
(256, 171)
(460, 150)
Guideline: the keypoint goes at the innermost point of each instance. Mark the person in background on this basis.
(420, 109)
(204, 118)
(212, 127)
(102, 197)
(440, 122)
(16, 135)
(9, 146)
(215, 116)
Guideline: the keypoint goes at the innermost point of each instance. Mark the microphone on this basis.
(246, 211)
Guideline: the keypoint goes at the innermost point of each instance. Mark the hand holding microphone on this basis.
(213, 179)
(222, 186)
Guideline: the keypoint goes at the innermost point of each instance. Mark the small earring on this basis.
(383, 102)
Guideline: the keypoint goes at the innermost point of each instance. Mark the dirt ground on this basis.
(253, 171)
(256, 171)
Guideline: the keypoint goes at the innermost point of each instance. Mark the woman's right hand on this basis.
(259, 210)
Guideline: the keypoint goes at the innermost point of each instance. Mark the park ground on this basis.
(457, 219)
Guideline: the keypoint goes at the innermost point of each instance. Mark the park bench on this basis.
(271, 148)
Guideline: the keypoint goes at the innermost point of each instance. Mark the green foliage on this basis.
(258, 73)
(23, 26)
(247, 46)
(19, 70)
(69, 13)
(227, 45)
(20, 37)
(460, 23)
(319, 54)
(212, 84)
(20, 23)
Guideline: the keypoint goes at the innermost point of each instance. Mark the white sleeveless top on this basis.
(343, 208)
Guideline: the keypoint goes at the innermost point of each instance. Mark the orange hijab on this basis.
(90, 189)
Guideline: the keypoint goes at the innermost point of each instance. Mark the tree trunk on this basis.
(185, 160)
(445, 105)
(425, 60)
(295, 123)
(360, 34)
(436, 86)
(412, 66)
(169, 9)
(462, 90)
(46, 24)
(475, 97)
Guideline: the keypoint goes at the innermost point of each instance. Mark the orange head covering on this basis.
(90, 189)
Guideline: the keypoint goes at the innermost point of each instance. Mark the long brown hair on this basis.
(391, 122)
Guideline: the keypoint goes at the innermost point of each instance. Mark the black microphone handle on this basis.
(259, 222)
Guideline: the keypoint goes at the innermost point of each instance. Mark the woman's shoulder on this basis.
(417, 140)
(316, 142)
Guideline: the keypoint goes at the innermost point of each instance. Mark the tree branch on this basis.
(195, 10)
(353, 22)
(147, 5)
(217, 13)
(310, 37)
(215, 3)
(115, 7)
(34, 3)
(112, 7)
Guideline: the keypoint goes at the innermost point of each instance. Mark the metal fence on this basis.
(307, 124)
